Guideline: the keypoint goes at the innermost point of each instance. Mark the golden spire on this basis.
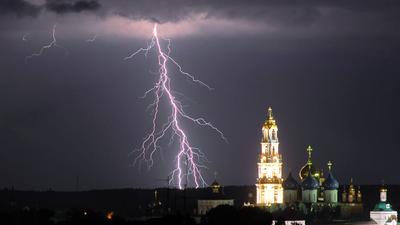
(270, 121)
(270, 116)
(329, 165)
(309, 150)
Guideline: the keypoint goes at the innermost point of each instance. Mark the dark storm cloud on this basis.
(290, 13)
(23, 8)
(177, 10)
(339, 14)
(19, 8)
(63, 6)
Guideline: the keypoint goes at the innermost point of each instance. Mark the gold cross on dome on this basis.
(329, 165)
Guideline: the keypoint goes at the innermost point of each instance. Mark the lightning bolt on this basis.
(187, 155)
(92, 39)
(53, 43)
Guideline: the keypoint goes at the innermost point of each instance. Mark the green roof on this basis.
(383, 206)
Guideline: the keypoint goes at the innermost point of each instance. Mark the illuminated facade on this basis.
(269, 182)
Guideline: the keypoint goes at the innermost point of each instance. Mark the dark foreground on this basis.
(136, 206)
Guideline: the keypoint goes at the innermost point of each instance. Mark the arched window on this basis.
(265, 134)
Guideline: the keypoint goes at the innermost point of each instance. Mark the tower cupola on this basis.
(310, 183)
(330, 183)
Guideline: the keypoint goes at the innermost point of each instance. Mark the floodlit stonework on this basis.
(269, 182)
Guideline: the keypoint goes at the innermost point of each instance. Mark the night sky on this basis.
(329, 69)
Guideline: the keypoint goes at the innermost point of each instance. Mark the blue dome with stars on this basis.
(331, 183)
(290, 183)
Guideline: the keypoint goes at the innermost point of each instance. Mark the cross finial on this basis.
(329, 165)
(215, 175)
(309, 150)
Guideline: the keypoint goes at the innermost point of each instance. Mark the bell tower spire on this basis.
(270, 115)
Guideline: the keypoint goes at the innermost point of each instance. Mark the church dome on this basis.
(331, 183)
(290, 183)
(215, 187)
(306, 169)
(215, 184)
(310, 183)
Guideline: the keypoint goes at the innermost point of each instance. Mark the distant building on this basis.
(351, 203)
(383, 212)
(314, 192)
(269, 182)
(314, 187)
(215, 199)
(352, 195)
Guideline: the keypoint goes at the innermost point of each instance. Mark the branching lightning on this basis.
(188, 156)
(53, 43)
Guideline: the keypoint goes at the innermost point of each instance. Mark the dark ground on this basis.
(132, 203)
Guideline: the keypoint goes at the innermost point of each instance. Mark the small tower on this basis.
(383, 212)
(383, 193)
(359, 195)
(331, 186)
(310, 187)
(290, 187)
(352, 192)
(344, 194)
(215, 186)
(156, 202)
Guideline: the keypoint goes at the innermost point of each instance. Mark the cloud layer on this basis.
(19, 8)
(23, 8)
(62, 6)
(220, 16)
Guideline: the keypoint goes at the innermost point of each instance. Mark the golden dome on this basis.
(270, 122)
(215, 187)
(304, 171)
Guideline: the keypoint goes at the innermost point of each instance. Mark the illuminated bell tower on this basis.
(269, 182)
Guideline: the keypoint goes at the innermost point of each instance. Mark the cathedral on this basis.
(315, 188)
